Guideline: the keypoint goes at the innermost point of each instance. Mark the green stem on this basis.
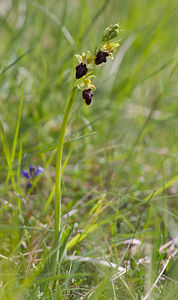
(58, 192)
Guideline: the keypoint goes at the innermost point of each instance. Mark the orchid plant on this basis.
(87, 61)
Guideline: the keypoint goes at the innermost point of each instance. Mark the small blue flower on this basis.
(32, 169)
(33, 172)
(39, 171)
(25, 174)
(28, 186)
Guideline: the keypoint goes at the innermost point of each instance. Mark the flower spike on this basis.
(88, 60)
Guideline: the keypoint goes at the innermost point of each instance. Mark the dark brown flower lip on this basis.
(87, 95)
(101, 57)
(81, 70)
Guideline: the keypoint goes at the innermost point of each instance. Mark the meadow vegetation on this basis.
(118, 232)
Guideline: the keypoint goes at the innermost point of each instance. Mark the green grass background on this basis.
(120, 179)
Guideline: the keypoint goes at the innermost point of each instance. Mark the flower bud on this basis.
(87, 95)
(101, 57)
(81, 70)
(111, 32)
